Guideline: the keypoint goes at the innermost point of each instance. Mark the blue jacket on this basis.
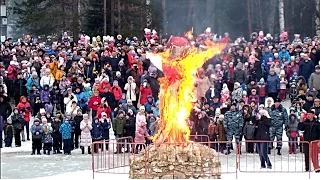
(265, 57)
(82, 99)
(96, 131)
(35, 129)
(31, 82)
(65, 130)
(285, 55)
(105, 130)
(273, 83)
(149, 104)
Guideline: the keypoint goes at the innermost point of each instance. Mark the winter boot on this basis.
(38, 152)
(48, 152)
(59, 152)
(294, 150)
(228, 151)
(44, 152)
(290, 150)
(89, 150)
(279, 151)
(33, 152)
(82, 149)
(269, 150)
(54, 151)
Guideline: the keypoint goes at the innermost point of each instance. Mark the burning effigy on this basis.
(173, 155)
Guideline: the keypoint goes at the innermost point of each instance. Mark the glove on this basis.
(23, 109)
(71, 97)
(28, 108)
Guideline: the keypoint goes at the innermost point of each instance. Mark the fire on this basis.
(189, 34)
(176, 90)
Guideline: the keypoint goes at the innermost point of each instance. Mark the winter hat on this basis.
(276, 54)
(221, 116)
(42, 111)
(244, 93)
(103, 114)
(44, 120)
(36, 120)
(130, 111)
(118, 73)
(142, 108)
(261, 106)
(277, 100)
(282, 72)
(262, 80)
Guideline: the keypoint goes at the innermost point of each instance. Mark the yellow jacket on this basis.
(59, 74)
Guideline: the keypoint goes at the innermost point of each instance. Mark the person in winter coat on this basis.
(65, 130)
(273, 84)
(96, 134)
(279, 117)
(236, 94)
(109, 97)
(56, 135)
(106, 126)
(262, 134)
(77, 131)
(140, 136)
(130, 105)
(130, 127)
(315, 80)
(82, 100)
(118, 125)
(72, 111)
(131, 89)
(104, 107)
(9, 133)
(221, 133)
(94, 103)
(69, 98)
(18, 124)
(292, 133)
(311, 129)
(233, 124)
(145, 92)
(25, 108)
(306, 67)
(104, 84)
(20, 89)
(239, 74)
(47, 138)
(45, 95)
(86, 128)
(37, 135)
(47, 78)
(141, 116)
(117, 91)
(5, 107)
(150, 102)
(33, 81)
(284, 55)
(248, 132)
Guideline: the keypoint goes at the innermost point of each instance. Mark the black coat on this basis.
(20, 88)
(5, 110)
(77, 120)
(55, 130)
(17, 121)
(130, 127)
(262, 129)
(105, 130)
(311, 130)
(110, 99)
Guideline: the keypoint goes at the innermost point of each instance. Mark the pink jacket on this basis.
(141, 134)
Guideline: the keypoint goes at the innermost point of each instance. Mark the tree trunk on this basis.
(105, 17)
(191, 12)
(317, 18)
(112, 17)
(119, 16)
(249, 17)
(281, 16)
(260, 15)
(164, 16)
(210, 16)
(272, 16)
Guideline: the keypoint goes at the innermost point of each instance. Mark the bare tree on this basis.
(249, 16)
(317, 18)
(165, 18)
(281, 16)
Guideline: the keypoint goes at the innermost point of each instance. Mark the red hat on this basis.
(277, 61)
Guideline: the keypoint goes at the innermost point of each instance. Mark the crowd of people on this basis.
(75, 92)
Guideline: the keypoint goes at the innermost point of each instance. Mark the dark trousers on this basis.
(47, 146)
(273, 95)
(96, 147)
(314, 156)
(72, 141)
(1, 139)
(106, 143)
(36, 145)
(94, 114)
(76, 139)
(8, 141)
(57, 144)
(250, 146)
(139, 148)
(17, 137)
(26, 124)
(262, 148)
(67, 146)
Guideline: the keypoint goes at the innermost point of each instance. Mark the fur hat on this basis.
(42, 111)
(118, 73)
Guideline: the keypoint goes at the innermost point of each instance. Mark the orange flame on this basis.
(189, 34)
(176, 96)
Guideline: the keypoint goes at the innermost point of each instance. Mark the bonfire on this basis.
(177, 157)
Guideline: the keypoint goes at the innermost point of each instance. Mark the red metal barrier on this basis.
(108, 162)
(200, 138)
(314, 155)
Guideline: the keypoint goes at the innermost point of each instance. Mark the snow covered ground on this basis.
(17, 163)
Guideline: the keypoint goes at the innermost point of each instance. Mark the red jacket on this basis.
(25, 108)
(11, 72)
(107, 110)
(145, 92)
(117, 91)
(104, 84)
(92, 100)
